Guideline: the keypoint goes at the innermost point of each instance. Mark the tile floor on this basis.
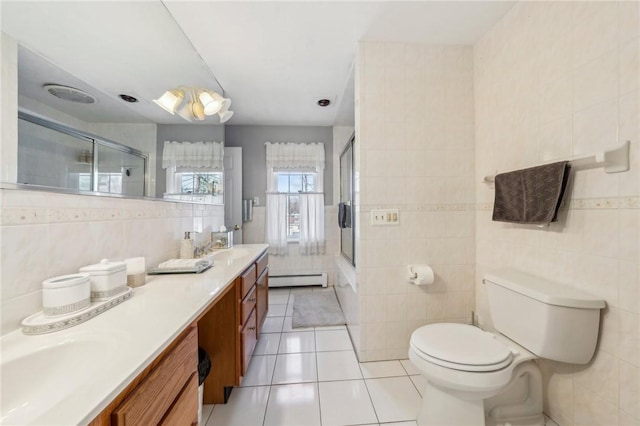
(312, 377)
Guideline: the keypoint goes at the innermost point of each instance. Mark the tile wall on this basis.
(47, 234)
(415, 154)
(555, 79)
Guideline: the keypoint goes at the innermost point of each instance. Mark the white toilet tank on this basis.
(552, 320)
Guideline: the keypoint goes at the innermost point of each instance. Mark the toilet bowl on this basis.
(474, 377)
(465, 368)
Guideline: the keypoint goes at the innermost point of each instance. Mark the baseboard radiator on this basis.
(298, 280)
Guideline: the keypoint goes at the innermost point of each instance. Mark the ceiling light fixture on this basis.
(201, 103)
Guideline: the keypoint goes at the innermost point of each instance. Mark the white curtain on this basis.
(295, 156)
(312, 224)
(193, 155)
(276, 217)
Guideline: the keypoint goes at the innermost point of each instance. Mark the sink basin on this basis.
(35, 378)
(227, 256)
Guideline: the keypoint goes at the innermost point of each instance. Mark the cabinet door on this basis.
(262, 290)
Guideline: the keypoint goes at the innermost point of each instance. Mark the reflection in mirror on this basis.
(197, 187)
(57, 156)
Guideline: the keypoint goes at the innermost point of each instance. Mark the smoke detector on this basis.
(70, 94)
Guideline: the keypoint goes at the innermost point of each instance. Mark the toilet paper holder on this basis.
(420, 274)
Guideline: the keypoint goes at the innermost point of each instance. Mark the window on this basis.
(293, 184)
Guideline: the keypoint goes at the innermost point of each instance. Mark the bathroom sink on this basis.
(228, 255)
(36, 377)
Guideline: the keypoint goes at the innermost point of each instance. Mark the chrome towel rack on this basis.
(614, 160)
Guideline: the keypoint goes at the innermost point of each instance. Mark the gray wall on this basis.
(252, 138)
(182, 132)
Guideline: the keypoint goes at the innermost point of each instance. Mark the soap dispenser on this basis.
(187, 247)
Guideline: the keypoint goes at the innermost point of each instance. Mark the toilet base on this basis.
(518, 404)
(440, 408)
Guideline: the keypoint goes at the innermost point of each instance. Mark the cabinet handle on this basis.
(252, 300)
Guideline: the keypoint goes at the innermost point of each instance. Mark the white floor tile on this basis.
(288, 328)
(272, 325)
(267, 344)
(260, 371)
(289, 311)
(409, 367)
(246, 406)
(276, 310)
(379, 369)
(346, 403)
(295, 368)
(278, 297)
(338, 366)
(395, 399)
(206, 412)
(420, 382)
(401, 424)
(337, 340)
(294, 405)
(297, 342)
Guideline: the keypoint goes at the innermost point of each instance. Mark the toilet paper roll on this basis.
(421, 274)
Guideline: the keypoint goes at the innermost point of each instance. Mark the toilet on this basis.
(476, 377)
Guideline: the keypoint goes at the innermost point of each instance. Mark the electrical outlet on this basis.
(385, 217)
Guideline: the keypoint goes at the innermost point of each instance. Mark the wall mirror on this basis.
(108, 146)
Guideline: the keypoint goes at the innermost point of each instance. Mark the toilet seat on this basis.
(461, 347)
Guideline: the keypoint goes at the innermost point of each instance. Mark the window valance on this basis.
(295, 155)
(193, 154)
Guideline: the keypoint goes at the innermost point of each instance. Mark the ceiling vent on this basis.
(70, 94)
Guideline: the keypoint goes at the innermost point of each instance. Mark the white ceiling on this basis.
(273, 59)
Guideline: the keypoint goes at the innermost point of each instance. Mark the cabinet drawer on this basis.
(248, 280)
(262, 296)
(262, 263)
(184, 410)
(248, 304)
(248, 338)
(150, 400)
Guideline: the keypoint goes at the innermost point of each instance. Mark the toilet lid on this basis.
(461, 347)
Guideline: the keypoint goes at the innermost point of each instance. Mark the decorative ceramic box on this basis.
(65, 294)
(222, 240)
(107, 279)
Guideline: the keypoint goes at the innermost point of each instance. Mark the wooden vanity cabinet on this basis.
(166, 392)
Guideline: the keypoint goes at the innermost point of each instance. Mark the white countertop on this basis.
(88, 365)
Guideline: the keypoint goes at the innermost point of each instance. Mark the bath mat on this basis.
(317, 309)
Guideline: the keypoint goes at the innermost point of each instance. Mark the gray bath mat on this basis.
(320, 308)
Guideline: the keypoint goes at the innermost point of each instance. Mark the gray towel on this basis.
(530, 195)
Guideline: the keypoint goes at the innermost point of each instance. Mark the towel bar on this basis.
(613, 160)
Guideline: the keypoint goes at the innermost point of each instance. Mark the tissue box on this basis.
(222, 240)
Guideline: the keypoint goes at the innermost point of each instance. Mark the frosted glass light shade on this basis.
(170, 100)
(225, 116)
(211, 102)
